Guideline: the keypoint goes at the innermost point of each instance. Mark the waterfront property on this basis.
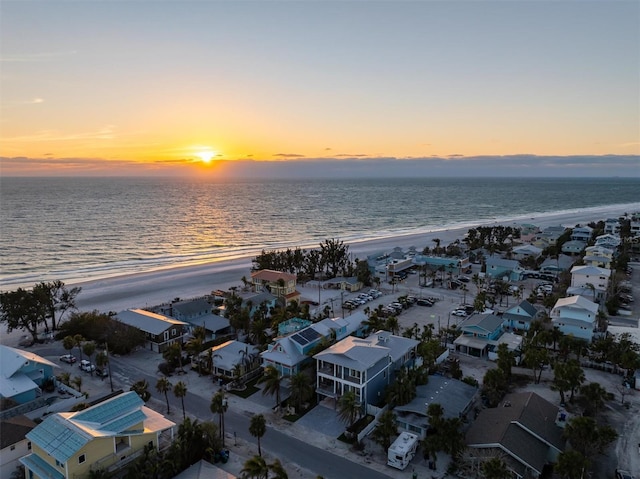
(525, 429)
(160, 331)
(364, 366)
(198, 314)
(105, 437)
(499, 268)
(278, 283)
(22, 374)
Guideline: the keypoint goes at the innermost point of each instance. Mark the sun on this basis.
(206, 155)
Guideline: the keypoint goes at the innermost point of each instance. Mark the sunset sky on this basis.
(170, 87)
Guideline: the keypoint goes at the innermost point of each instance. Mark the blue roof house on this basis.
(22, 374)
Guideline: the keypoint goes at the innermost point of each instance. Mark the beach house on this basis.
(573, 247)
(612, 226)
(104, 437)
(22, 374)
(525, 430)
(576, 316)
(608, 241)
(364, 366)
(581, 233)
(198, 314)
(456, 398)
(598, 256)
(230, 360)
(289, 353)
(479, 333)
(557, 264)
(520, 316)
(160, 331)
(499, 268)
(549, 236)
(280, 284)
(13, 431)
(589, 281)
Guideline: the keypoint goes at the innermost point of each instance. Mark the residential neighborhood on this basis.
(482, 343)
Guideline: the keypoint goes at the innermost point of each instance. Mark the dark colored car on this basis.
(101, 372)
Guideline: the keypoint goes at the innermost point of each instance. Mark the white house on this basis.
(581, 233)
(608, 241)
(575, 315)
(591, 281)
(612, 226)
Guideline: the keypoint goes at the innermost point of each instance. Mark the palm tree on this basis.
(77, 340)
(272, 381)
(219, 406)
(278, 470)
(495, 468)
(164, 386)
(68, 343)
(571, 464)
(77, 382)
(258, 428)
(255, 467)
(301, 389)
(88, 349)
(348, 408)
(141, 388)
(385, 430)
(595, 396)
(180, 391)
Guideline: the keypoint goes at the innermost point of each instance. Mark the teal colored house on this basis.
(480, 333)
(499, 268)
(22, 374)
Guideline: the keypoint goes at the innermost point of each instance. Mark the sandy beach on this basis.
(148, 289)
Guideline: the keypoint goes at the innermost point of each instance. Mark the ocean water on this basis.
(76, 229)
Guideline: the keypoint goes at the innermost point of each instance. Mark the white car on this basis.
(85, 365)
(459, 312)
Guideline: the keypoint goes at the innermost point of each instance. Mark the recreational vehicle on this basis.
(402, 450)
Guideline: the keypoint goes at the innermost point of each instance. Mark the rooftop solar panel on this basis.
(299, 339)
(309, 334)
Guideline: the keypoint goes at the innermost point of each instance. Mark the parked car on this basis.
(68, 358)
(424, 302)
(85, 365)
(459, 312)
(102, 372)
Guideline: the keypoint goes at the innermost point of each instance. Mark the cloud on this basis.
(289, 155)
(378, 167)
(36, 57)
(35, 101)
(105, 133)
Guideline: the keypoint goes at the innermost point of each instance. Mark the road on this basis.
(290, 450)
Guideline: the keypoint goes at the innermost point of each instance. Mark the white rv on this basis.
(402, 450)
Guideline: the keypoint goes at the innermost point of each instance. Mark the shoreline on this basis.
(144, 289)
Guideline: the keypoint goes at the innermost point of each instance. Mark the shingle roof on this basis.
(523, 423)
(14, 429)
(454, 396)
(272, 276)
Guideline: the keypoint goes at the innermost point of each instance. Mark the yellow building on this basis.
(107, 436)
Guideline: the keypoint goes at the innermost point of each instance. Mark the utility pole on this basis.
(106, 347)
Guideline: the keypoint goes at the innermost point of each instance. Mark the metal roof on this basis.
(147, 321)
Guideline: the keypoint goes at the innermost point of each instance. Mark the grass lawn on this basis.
(249, 389)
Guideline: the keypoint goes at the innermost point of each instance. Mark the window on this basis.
(174, 332)
(166, 335)
(13, 447)
(82, 458)
(29, 445)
